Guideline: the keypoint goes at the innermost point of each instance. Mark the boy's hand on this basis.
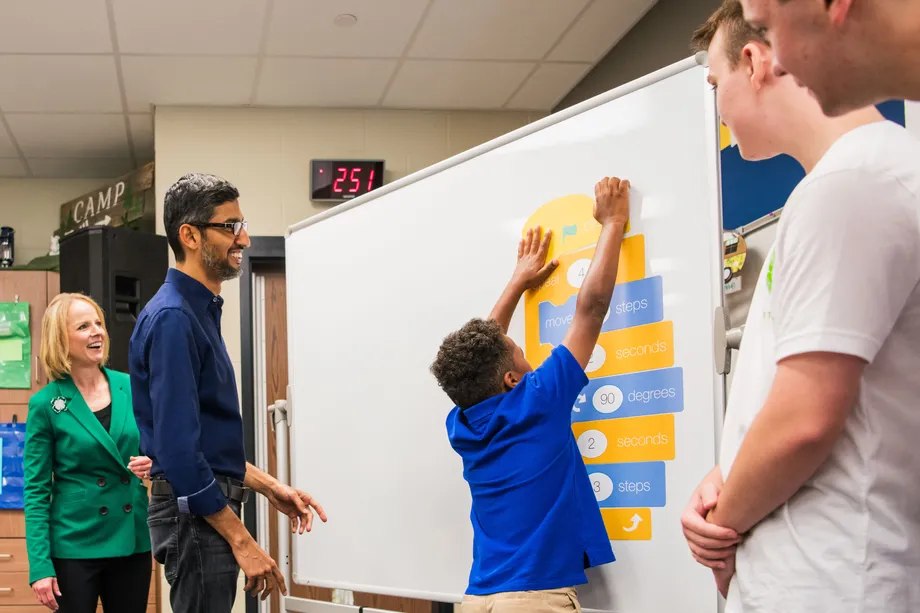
(611, 201)
(532, 268)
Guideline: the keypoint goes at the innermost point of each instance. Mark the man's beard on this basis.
(217, 264)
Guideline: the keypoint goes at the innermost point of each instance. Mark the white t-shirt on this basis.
(842, 277)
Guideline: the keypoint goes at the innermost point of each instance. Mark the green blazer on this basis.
(81, 501)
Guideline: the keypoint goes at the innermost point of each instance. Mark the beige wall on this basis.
(266, 154)
(660, 38)
(32, 207)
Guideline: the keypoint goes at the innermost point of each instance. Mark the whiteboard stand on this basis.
(662, 132)
(302, 605)
(279, 414)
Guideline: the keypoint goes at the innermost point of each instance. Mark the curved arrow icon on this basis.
(636, 520)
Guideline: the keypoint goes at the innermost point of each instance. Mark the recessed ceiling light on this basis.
(345, 20)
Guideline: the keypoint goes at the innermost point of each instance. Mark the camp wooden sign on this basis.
(128, 201)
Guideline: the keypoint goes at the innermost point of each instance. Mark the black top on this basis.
(105, 416)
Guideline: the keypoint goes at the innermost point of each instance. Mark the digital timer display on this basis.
(338, 181)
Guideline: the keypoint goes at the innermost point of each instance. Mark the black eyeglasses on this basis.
(235, 226)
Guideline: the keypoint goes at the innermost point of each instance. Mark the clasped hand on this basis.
(711, 545)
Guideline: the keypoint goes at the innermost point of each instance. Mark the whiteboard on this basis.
(374, 286)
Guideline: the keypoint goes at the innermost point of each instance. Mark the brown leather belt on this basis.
(232, 489)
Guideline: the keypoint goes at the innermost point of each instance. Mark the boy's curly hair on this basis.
(472, 362)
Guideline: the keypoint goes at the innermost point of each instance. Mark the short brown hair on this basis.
(55, 347)
(472, 362)
(730, 18)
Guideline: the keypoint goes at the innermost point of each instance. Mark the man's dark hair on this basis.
(472, 362)
(192, 200)
(730, 18)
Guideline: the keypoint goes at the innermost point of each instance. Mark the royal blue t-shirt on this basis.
(536, 522)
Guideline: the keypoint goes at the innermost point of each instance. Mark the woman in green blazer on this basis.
(86, 513)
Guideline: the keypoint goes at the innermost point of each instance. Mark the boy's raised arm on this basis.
(611, 210)
(531, 271)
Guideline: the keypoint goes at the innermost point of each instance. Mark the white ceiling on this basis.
(79, 78)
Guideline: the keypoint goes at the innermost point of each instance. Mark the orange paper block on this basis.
(633, 439)
(566, 281)
(632, 350)
(628, 524)
(571, 218)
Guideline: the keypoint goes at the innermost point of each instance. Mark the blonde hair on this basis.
(55, 346)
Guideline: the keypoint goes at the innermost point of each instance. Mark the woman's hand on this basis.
(140, 466)
(45, 590)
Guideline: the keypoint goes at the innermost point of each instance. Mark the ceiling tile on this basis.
(11, 168)
(80, 168)
(305, 27)
(548, 85)
(212, 81)
(142, 134)
(53, 26)
(323, 82)
(492, 29)
(599, 29)
(177, 27)
(51, 136)
(87, 83)
(456, 85)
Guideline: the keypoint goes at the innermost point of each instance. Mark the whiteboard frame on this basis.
(659, 75)
(719, 381)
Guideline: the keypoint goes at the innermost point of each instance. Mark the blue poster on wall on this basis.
(12, 443)
(751, 190)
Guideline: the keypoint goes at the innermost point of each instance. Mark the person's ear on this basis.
(758, 64)
(190, 237)
(511, 379)
(838, 10)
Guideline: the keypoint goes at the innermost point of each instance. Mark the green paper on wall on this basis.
(15, 346)
(10, 350)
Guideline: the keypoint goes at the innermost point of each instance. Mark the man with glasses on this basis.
(188, 412)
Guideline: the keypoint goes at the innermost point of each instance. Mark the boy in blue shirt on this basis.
(536, 522)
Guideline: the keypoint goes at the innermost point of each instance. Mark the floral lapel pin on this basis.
(59, 404)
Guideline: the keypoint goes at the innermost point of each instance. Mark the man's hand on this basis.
(140, 466)
(262, 574)
(45, 591)
(296, 504)
(532, 268)
(724, 576)
(711, 545)
(611, 201)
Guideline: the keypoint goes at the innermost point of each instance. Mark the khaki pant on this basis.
(544, 601)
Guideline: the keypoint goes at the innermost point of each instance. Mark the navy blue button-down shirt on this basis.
(184, 392)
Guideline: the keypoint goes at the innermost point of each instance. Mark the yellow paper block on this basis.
(565, 282)
(11, 350)
(632, 350)
(628, 524)
(633, 439)
(571, 218)
(725, 136)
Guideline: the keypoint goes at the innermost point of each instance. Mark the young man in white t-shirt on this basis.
(821, 443)
(850, 53)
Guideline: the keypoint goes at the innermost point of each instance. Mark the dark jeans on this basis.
(197, 561)
(122, 583)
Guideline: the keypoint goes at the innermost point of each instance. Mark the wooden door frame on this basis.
(263, 251)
